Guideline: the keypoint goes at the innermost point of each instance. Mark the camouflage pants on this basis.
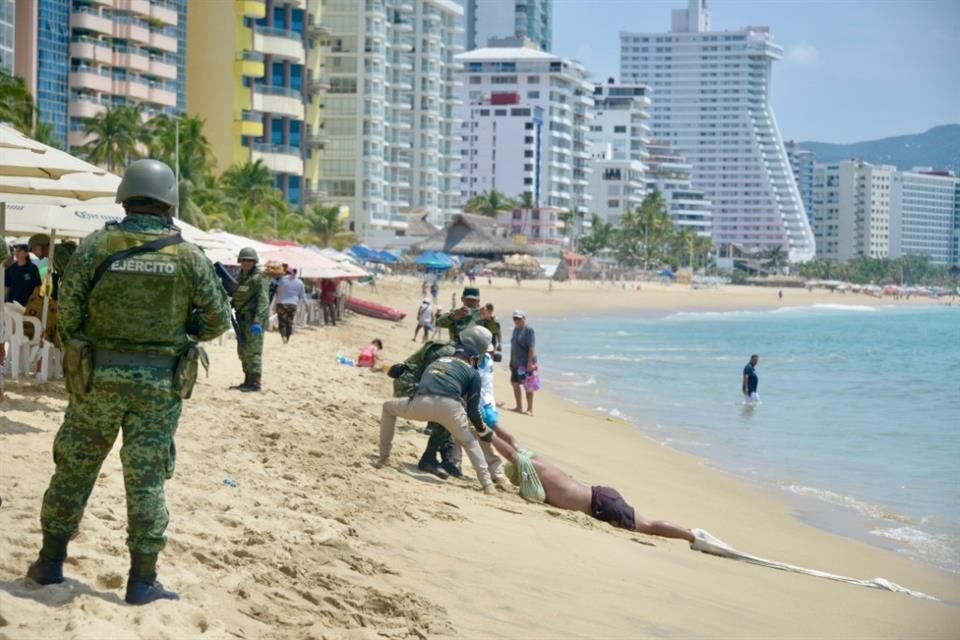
(251, 351)
(141, 402)
(285, 317)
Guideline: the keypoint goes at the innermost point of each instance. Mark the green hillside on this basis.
(938, 148)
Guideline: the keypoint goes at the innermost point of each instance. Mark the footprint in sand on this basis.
(111, 580)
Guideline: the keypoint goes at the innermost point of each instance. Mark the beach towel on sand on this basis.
(524, 475)
(709, 544)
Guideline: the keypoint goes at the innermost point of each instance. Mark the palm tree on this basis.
(196, 162)
(117, 137)
(656, 226)
(775, 259)
(249, 182)
(526, 200)
(325, 223)
(600, 238)
(489, 204)
(43, 133)
(16, 104)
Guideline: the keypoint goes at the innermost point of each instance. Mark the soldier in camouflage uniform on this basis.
(4, 254)
(251, 301)
(129, 321)
(456, 322)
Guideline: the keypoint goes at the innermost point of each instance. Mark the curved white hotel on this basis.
(712, 103)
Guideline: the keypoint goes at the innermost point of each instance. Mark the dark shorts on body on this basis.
(608, 505)
(516, 375)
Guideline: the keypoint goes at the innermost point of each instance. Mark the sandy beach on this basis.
(314, 542)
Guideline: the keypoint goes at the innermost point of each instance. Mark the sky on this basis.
(852, 70)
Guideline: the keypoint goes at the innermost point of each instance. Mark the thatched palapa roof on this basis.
(469, 235)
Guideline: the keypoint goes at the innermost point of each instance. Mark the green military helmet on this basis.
(149, 179)
(62, 254)
(248, 253)
(41, 239)
(476, 340)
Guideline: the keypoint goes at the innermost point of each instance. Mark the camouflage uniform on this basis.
(251, 299)
(4, 250)
(139, 312)
(455, 326)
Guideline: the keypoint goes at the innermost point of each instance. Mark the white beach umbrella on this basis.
(23, 157)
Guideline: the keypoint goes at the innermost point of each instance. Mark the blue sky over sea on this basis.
(852, 70)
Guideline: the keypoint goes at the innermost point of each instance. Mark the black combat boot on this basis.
(142, 584)
(243, 385)
(449, 460)
(254, 384)
(428, 462)
(48, 567)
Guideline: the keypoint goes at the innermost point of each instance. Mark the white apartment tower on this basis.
(852, 210)
(924, 210)
(712, 103)
(617, 142)
(669, 173)
(802, 163)
(525, 124)
(388, 117)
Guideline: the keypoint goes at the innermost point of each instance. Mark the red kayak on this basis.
(374, 310)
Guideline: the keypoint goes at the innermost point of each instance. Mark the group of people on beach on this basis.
(449, 385)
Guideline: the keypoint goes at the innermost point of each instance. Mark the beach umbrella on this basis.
(435, 261)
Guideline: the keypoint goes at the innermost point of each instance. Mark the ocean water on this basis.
(859, 419)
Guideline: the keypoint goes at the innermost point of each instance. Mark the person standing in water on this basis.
(751, 381)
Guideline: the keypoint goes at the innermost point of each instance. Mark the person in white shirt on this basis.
(424, 320)
(290, 294)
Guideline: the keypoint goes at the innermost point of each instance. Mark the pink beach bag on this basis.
(531, 382)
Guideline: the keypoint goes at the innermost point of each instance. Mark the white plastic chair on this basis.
(19, 347)
(51, 362)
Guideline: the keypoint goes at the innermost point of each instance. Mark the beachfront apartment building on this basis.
(525, 120)
(617, 142)
(83, 57)
(248, 79)
(388, 120)
(803, 164)
(7, 34)
(522, 19)
(669, 173)
(712, 103)
(925, 215)
(852, 202)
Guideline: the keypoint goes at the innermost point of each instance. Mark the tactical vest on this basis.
(142, 303)
(244, 296)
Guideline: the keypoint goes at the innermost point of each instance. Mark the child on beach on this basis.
(368, 355)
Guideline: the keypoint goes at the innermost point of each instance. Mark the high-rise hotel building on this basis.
(525, 124)
(247, 77)
(82, 57)
(617, 142)
(712, 103)
(388, 116)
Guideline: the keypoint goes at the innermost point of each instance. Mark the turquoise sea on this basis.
(859, 419)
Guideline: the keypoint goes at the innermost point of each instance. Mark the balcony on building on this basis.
(132, 28)
(317, 82)
(130, 58)
(163, 39)
(248, 123)
(88, 48)
(317, 137)
(163, 66)
(164, 11)
(87, 77)
(278, 158)
(163, 94)
(249, 64)
(282, 100)
(91, 19)
(254, 9)
(132, 88)
(281, 43)
(86, 106)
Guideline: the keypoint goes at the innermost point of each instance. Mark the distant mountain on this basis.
(938, 148)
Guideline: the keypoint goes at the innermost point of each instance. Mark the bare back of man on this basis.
(565, 492)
